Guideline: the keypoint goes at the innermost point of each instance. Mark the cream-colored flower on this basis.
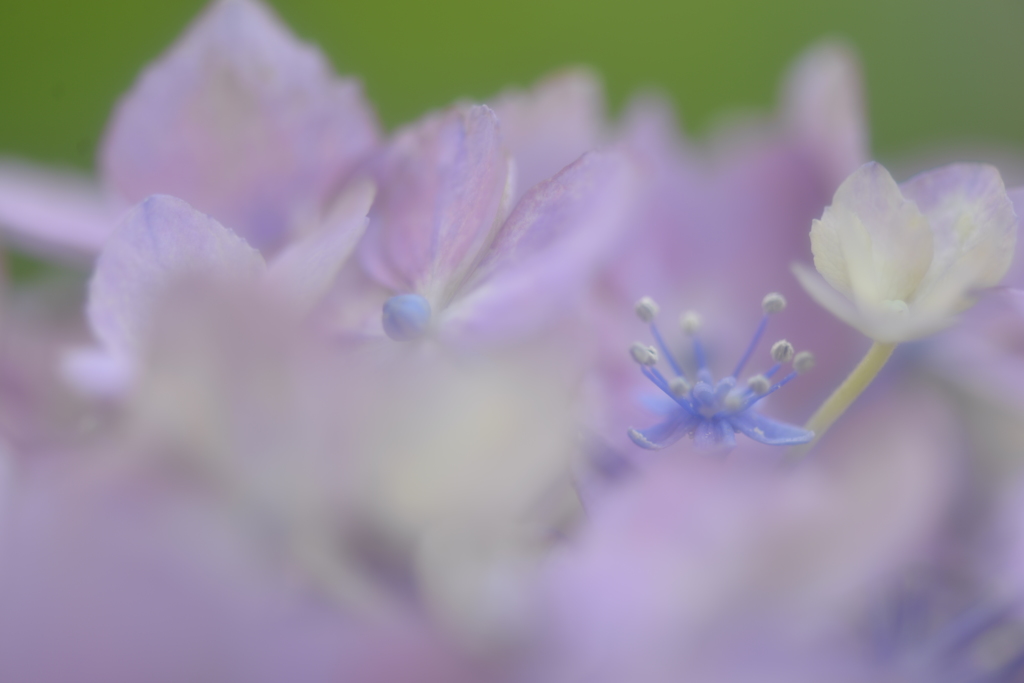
(897, 262)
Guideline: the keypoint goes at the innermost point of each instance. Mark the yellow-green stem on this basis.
(846, 393)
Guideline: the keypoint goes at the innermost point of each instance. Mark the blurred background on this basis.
(940, 73)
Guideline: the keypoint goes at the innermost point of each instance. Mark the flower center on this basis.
(406, 317)
(709, 411)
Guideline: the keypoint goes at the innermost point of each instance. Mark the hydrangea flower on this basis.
(719, 222)
(898, 262)
(238, 118)
(445, 256)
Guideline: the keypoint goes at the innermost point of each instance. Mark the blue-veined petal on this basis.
(769, 431)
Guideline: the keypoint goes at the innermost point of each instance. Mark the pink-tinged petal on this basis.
(241, 120)
(305, 270)
(824, 106)
(161, 239)
(441, 185)
(551, 125)
(546, 253)
(59, 214)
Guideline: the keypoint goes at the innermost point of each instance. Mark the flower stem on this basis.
(852, 387)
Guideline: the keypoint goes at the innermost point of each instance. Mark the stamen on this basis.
(646, 309)
(775, 387)
(659, 381)
(803, 362)
(734, 402)
(782, 351)
(644, 355)
(690, 322)
(773, 303)
(759, 384)
(724, 387)
(679, 386)
(656, 333)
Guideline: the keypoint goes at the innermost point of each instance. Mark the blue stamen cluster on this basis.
(712, 412)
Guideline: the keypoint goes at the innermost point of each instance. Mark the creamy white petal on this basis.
(872, 244)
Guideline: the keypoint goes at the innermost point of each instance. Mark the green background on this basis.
(938, 71)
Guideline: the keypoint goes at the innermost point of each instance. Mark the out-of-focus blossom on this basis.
(238, 118)
(898, 262)
(39, 320)
(441, 236)
(985, 355)
(164, 239)
(717, 227)
(700, 569)
(266, 504)
(551, 125)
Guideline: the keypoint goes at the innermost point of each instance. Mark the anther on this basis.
(803, 361)
(679, 386)
(644, 355)
(690, 322)
(773, 303)
(759, 384)
(646, 309)
(782, 351)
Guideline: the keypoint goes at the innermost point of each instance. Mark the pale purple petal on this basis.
(441, 185)
(60, 214)
(824, 106)
(1015, 276)
(305, 270)
(551, 125)
(97, 372)
(241, 120)
(547, 252)
(161, 239)
(974, 227)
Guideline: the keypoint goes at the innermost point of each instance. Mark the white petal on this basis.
(872, 244)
